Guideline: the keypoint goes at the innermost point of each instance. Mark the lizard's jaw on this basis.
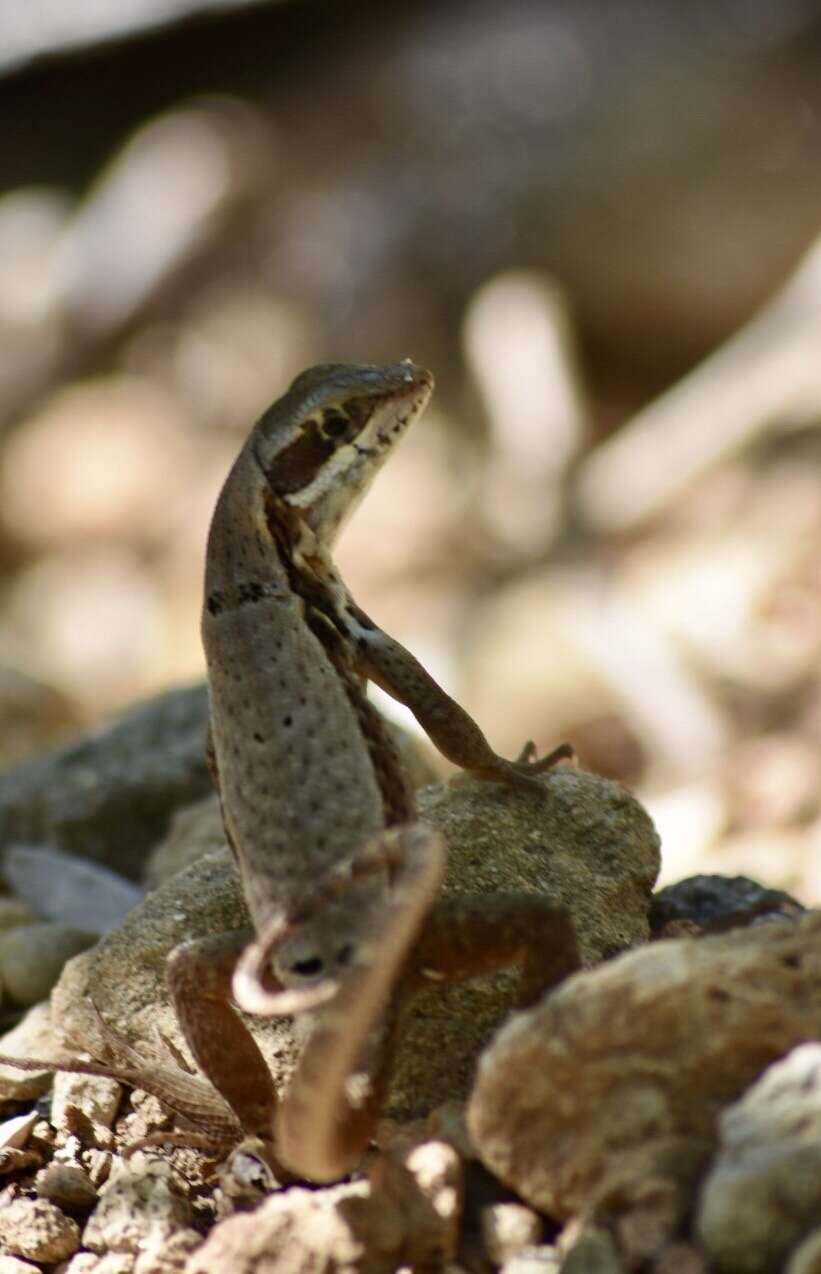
(339, 484)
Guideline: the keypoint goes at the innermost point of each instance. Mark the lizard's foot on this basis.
(523, 772)
(527, 757)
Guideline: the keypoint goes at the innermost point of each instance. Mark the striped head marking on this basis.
(321, 445)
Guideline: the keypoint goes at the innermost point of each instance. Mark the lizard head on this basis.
(322, 443)
(296, 966)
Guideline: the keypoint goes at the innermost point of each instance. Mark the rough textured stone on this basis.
(620, 1074)
(87, 1102)
(169, 1257)
(507, 1228)
(291, 1233)
(763, 1191)
(715, 900)
(586, 845)
(36, 1229)
(195, 830)
(67, 1186)
(33, 1037)
(13, 1265)
(139, 1208)
(109, 794)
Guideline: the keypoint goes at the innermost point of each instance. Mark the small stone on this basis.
(99, 1164)
(32, 958)
(763, 1191)
(115, 1263)
(305, 1229)
(33, 1037)
(15, 1132)
(507, 1228)
(139, 1207)
(80, 1263)
(590, 1250)
(171, 1257)
(38, 1230)
(437, 1170)
(86, 1103)
(542, 1259)
(66, 1185)
(806, 1259)
(111, 1263)
(245, 1178)
(12, 1265)
(13, 1160)
(718, 900)
(195, 830)
(14, 912)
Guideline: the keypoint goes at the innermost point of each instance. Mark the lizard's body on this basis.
(339, 880)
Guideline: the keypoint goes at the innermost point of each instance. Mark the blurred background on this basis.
(594, 222)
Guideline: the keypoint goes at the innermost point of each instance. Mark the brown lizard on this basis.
(340, 880)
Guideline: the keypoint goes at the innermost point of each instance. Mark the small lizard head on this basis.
(296, 966)
(321, 445)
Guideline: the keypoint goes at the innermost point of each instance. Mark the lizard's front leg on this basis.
(453, 731)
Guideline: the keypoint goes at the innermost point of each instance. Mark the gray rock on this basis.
(69, 889)
(195, 830)
(585, 845)
(108, 796)
(720, 901)
(619, 1075)
(763, 1192)
(32, 958)
(126, 970)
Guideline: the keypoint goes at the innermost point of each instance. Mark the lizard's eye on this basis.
(308, 968)
(335, 424)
